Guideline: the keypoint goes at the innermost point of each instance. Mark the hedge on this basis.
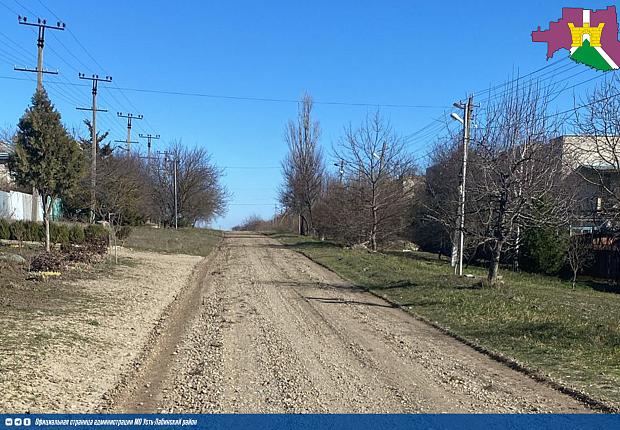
(29, 231)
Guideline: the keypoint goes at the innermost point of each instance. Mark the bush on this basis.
(543, 250)
(34, 232)
(59, 233)
(5, 229)
(47, 262)
(27, 231)
(95, 234)
(17, 230)
(76, 234)
(123, 232)
(81, 254)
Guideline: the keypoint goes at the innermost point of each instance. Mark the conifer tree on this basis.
(46, 156)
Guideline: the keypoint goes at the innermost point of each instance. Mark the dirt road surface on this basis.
(267, 330)
(62, 350)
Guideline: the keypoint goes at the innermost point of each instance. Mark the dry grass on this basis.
(191, 241)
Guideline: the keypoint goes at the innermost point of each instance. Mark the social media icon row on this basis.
(17, 422)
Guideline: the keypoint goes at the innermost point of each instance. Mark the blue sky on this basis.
(377, 53)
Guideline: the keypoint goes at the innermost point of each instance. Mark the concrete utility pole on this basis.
(175, 161)
(42, 25)
(468, 108)
(176, 198)
(149, 138)
(129, 117)
(93, 151)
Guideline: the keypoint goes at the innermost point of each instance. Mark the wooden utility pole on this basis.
(149, 138)
(129, 117)
(93, 163)
(42, 25)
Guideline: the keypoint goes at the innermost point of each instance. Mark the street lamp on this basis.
(456, 117)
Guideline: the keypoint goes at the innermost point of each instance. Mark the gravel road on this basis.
(267, 330)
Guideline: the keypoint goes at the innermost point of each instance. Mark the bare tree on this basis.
(594, 155)
(338, 213)
(122, 189)
(303, 167)
(380, 176)
(253, 223)
(516, 174)
(200, 194)
(437, 217)
(580, 254)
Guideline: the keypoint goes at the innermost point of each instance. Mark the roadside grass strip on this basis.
(570, 335)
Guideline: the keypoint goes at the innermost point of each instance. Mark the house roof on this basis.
(4, 147)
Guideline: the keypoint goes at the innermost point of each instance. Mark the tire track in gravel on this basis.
(343, 367)
(463, 388)
(275, 332)
(476, 382)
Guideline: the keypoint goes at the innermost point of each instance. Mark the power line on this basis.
(251, 204)
(28, 10)
(9, 8)
(121, 106)
(17, 46)
(518, 78)
(275, 100)
(251, 167)
(262, 99)
(433, 128)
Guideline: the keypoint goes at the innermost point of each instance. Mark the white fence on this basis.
(18, 206)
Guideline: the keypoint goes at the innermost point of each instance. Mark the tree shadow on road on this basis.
(318, 285)
(339, 301)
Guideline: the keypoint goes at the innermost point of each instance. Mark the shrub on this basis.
(59, 233)
(95, 232)
(34, 232)
(123, 232)
(80, 254)
(543, 250)
(98, 245)
(76, 234)
(47, 262)
(17, 230)
(5, 229)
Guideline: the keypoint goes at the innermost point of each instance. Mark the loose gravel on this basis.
(271, 331)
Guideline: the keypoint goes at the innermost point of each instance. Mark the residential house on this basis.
(592, 165)
(4, 171)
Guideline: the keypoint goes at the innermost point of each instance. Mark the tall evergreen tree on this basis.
(46, 156)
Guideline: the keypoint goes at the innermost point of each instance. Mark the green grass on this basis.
(191, 241)
(572, 335)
